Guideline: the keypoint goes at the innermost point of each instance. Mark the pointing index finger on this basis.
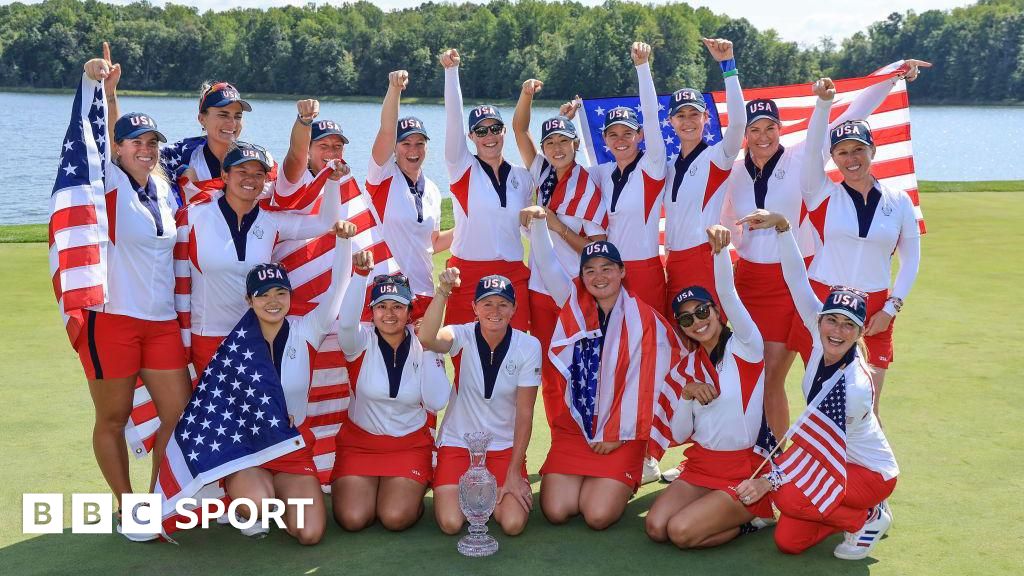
(106, 51)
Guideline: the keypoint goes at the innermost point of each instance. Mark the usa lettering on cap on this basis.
(328, 125)
(141, 120)
(388, 289)
(410, 123)
(497, 283)
(618, 113)
(270, 274)
(684, 295)
(554, 124)
(481, 110)
(760, 106)
(595, 248)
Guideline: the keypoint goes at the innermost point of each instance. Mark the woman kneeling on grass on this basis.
(838, 381)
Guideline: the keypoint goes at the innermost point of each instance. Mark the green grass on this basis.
(19, 233)
(953, 408)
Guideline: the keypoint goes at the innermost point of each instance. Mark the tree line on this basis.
(322, 50)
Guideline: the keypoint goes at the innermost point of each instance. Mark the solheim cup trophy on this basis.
(478, 494)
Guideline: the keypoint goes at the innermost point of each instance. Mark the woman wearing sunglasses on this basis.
(220, 239)
(488, 194)
(864, 224)
(385, 448)
(714, 400)
(497, 371)
(837, 360)
(610, 352)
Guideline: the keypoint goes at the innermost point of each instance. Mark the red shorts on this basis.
(297, 462)
(419, 306)
(452, 463)
(116, 346)
(723, 470)
(691, 267)
(765, 295)
(460, 303)
(570, 454)
(880, 349)
(203, 349)
(360, 453)
(646, 279)
(543, 317)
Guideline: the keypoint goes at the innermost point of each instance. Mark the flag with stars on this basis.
(816, 460)
(237, 418)
(583, 373)
(79, 228)
(174, 160)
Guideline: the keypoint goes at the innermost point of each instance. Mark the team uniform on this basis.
(695, 192)
(858, 239)
(486, 206)
(214, 253)
(611, 368)
(724, 431)
(578, 203)
(136, 327)
(392, 392)
(484, 399)
(634, 197)
(871, 468)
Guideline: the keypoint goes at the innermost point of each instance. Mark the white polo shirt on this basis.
(470, 409)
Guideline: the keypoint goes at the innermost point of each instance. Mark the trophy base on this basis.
(477, 545)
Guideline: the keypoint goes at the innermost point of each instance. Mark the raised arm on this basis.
(654, 158)
(721, 50)
(556, 279)
(304, 226)
(387, 134)
(455, 148)
(351, 337)
(297, 158)
(813, 179)
(521, 122)
(104, 69)
(432, 334)
(322, 318)
(744, 330)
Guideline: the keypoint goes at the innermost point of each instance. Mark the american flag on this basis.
(816, 460)
(237, 418)
(577, 195)
(893, 165)
(79, 225)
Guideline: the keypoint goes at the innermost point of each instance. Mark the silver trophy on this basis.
(478, 494)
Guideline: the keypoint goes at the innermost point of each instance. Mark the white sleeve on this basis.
(376, 174)
(456, 152)
(908, 247)
(434, 386)
(556, 279)
(747, 337)
(317, 323)
(593, 229)
(351, 336)
(293, 226)
(813, 179)
(529, 370)
(654, 158)
(732, 141)
(868, 100)
(460, 339)
(795, 273)
(682, 421)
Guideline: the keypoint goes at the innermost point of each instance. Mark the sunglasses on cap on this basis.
(482, 131)
(397, 278)
(686, 319)
(215, 88)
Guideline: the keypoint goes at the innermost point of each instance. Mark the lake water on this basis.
(950, 142)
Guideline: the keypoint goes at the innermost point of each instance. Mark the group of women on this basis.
(587, 321)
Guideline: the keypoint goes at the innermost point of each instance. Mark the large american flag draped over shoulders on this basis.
(893, 165)
(79, 226)
(237, 418)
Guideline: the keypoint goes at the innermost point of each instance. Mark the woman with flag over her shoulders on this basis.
(497, 372)
(839, 469)
(714, 399)
(611, 352)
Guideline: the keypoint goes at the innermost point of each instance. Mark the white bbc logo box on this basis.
(90, 513)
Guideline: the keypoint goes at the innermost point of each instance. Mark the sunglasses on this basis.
(839, 287)
(686, 319)
(214, 88)
(397, 278)
(482, 131)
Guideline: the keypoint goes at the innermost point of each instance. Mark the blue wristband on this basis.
(728, 65)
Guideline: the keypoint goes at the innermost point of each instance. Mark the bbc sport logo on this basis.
(94, 513)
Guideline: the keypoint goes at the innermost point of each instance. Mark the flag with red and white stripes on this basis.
(694, 367)
(612, 378)
(576, 195)
(79, 227)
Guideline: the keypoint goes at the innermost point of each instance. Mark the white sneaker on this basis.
(255, 531)
(762, 523)
(223, 520)
(888, 510)
(651, 471)
(135, 536)
(857, 545)
(669, 476)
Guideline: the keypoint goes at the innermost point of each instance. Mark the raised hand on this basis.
(913, 68)
(363, 260)
(104, 69)
(340, 169)
(720, 48)
(824, 88)
(308, 109)
(449, 278)
(640, 52)
(345, 229)
(398, 79)
(450, 58)
(719, 237)
(532, 86)
(569, 108)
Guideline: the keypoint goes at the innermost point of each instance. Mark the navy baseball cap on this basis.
(851, 130)
(762, 108)
(621, 115)
(222, 94)
(847, 302)
(558, 125)
(244, 152)
(483, 112)
(686, 97)
(263, 277)
(600, 249)
(698, 293)
(391, 287)
(135, 124)
(495, 285)
(410, 125)
(325, 128)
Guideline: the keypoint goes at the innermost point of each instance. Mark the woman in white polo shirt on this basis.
(497, 372)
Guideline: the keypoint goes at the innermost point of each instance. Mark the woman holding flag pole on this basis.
(840, 468)
(611, 352)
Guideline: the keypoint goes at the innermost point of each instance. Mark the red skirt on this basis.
(203, 349)
(453, 461)
(723, 470)
(646, 279)
(297, 462)
(570, 454)
(360, 453)
(543, 317)
(880, 347)
(460, 304)
(765, 295)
